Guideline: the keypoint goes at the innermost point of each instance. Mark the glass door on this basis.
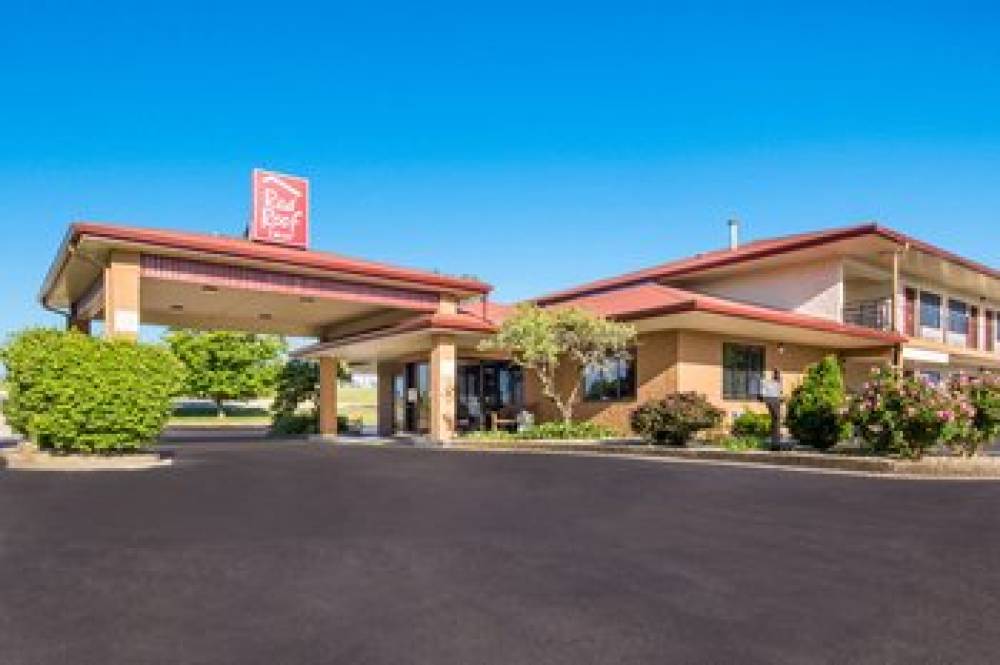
(399, 402)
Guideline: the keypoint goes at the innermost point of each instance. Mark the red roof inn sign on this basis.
(280, 209)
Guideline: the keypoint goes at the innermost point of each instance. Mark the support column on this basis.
(443, 369)
(327, 396)
(121, 296)
(386, 373)
(894, 316)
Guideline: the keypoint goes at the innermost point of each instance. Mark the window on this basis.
(958, 317)
(930, 310)
(742, 371)
(614, 380)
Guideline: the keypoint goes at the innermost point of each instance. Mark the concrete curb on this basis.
(25, 458)
(882, 467)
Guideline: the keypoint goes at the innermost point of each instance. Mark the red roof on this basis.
(245, 249)
(649, 299)
(758, 250)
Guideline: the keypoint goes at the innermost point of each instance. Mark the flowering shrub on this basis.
(907, 415)
(675, 418)
(981, 395)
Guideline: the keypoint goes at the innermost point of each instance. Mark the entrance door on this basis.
(470, 398)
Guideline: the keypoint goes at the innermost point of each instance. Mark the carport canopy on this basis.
(126, 276)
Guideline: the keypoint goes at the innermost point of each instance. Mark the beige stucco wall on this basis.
(656, 375)
(669, 361)
(700, 366)
(814, 288)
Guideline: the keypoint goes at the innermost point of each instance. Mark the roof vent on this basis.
(734, 234)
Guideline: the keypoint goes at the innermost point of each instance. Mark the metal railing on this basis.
(875, 314)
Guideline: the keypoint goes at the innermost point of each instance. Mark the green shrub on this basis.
(751, 424)
(743, 443)
(305, 423)
(675, 418)
(816, 408)
(298, 384)
(552, 431)
(906, 415)
(72, 393)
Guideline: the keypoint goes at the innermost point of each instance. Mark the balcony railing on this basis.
(873, 314)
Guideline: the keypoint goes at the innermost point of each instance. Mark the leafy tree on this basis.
(224, 365)
(298, 384)
(543, 340)
(817, 406)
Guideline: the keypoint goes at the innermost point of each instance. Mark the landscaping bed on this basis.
(930, 466)
(28, 457)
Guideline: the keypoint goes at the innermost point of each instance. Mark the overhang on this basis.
(87, 244)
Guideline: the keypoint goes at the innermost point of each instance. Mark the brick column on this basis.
(327, 396)
(443, 369)
(121, 296)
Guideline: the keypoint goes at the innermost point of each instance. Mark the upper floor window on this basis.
(958, 317)
(742, 371)
(613, 380)
(930, 310)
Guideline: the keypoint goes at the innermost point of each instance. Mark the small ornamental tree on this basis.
(72, 393)
(545, 340)
(816, 406)
(223, 365)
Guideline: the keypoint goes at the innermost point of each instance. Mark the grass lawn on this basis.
(357, 403)
(353, 402)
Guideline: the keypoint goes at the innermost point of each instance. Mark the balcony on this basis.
(874, 314)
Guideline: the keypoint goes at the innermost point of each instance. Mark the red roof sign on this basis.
(280, 209)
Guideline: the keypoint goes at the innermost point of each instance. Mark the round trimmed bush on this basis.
(675, 418)
(752, 425)
(70, 392)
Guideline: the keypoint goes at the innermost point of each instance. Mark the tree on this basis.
(225, 365)
(817, 406)
(542, 340)
(297, 384)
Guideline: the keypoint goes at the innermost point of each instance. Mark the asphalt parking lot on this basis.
(274, 553)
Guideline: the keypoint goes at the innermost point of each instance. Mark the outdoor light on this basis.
(781, 348)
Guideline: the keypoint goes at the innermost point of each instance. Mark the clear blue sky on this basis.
(535, 145)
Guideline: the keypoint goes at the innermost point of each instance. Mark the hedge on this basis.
(69, 392)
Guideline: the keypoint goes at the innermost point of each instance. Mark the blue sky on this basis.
(534, 145)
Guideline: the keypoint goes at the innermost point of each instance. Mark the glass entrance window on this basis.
(485, 388)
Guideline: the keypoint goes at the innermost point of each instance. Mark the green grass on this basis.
(352, 402)
(358, 403)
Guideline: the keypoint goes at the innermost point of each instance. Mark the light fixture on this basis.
(781, 348)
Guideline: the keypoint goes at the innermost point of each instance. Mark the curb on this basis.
(879, 467)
